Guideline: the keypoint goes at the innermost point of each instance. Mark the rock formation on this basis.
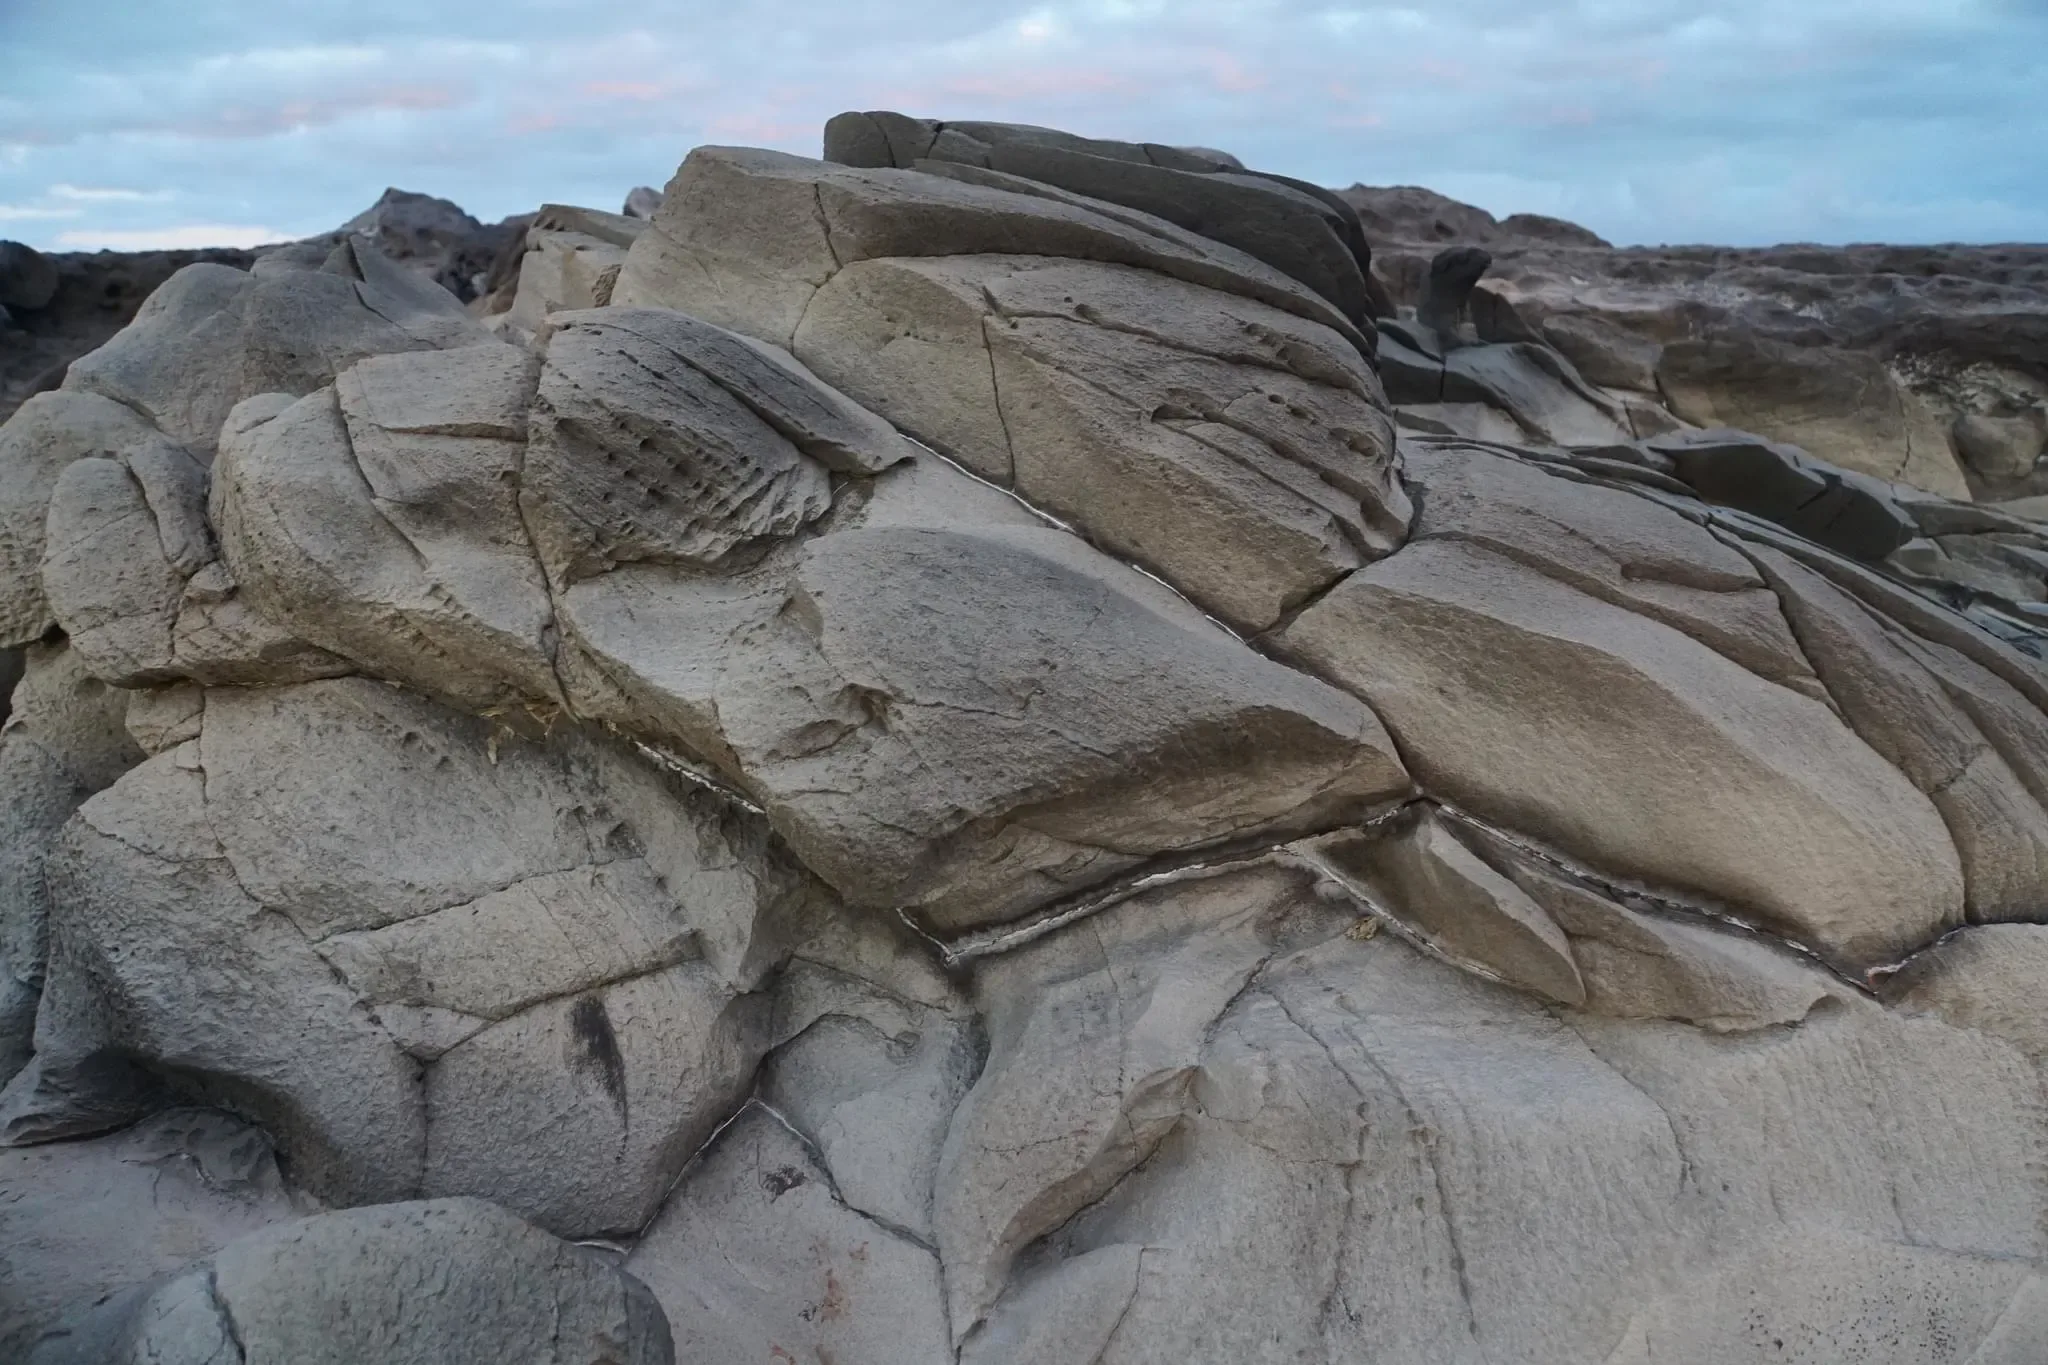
(1924, 365)
(56, 308)
(965, 753)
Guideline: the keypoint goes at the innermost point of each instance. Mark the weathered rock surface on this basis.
(331, 982)
(50, 431)
(758, 1257)
(1239, 452)
(65, 738)
(352, 1288)
(432, 236)
(97, 295)
(1307, 233)
(573, 257)
(82, 1221)
(1376, 1138)
(1545, 709)
(729, 245)
(214, 336)
(971, 720)
(1889, 360)
(925, 771)
(378, 518)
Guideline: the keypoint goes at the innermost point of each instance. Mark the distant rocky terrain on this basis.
(1009, 749)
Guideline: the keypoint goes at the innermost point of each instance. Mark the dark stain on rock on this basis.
(781, 1181)
(597, 1048)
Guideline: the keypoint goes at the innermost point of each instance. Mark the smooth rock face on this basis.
(347, 1287)
(84, 1220)
(1239, 452)
(1551, 712)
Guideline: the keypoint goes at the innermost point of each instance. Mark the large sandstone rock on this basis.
(918, 775)
(1239, 452)
(212, 336)
(82, 1221)
(64, 739)
(1547, 710)
(744, 237)
(1307, 233)
(336, 982)
(379, 519)
(969, 720)
(352, 1288)
(36, 445)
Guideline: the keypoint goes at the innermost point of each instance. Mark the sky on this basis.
(231, 122)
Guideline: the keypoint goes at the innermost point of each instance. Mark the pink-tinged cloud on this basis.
(634, 92)
(539, 121)
(1038, 84)
(766, 129)
(1455, 74)
(1231, 76)
(248, 121)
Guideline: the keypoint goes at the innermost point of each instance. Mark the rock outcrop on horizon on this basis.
(970, 754)
(1926, 365)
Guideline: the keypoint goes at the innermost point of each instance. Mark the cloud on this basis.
(184, 237)
(30, 213)
(1653, 120)
(83, 195)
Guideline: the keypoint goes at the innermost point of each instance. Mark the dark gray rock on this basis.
(1452, 276)
(1300, 229)
(28, 279)
(1847, 512)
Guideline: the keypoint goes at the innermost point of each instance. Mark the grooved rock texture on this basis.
(974, 754)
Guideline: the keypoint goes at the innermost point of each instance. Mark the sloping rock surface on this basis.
(971, 753)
